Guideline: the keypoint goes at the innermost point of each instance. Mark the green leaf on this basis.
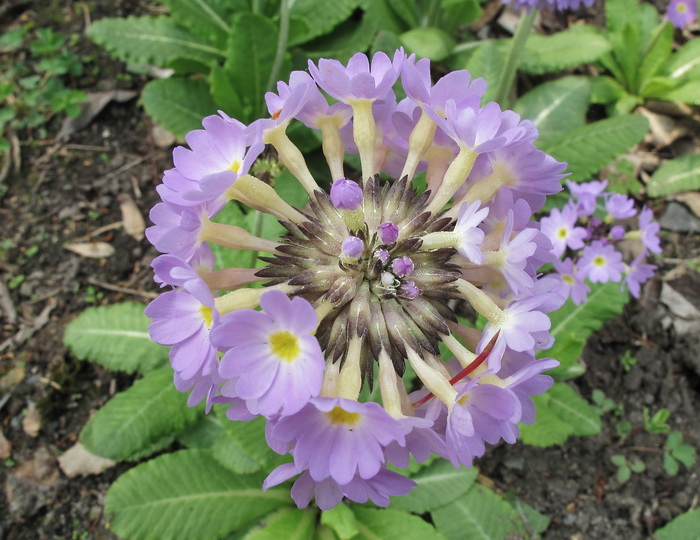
(346, 39)
(322, 17)
(243, 448)
(573, 409)
(115, 337)
(151, 40)
(572, 324)
(533, 522)
(556, 107)
(619, 12)
(222, 90)
(287, 524)
(686, 93)
(178, 104)
(438, 485)
(624, 473)
(428, 42)
(589, 148)
(187, 494)
(204, 433)
(683, 527)
(548, 429)
(580, 45)
(670, 465)
(658, 52)
(392, 525)
(207, 19)
(685, 454)
(479, 515)
(560, 413)
(456, 13)
(487, 62)
(250, 55)
(605, 89)
(342, 520)
(685, 63)
(679, 174)
(143, 418)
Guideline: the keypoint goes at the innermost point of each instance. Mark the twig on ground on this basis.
(117, 288)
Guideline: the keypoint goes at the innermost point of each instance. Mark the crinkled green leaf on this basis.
(438, 485)
(685, 63)
(548, 428)
(688, 92)
(207, 19)
(342, 520)
(658, 52)
(679, 174)
(556, 107)
(605, 89)
(683, 527)
(203, 433)
(345, 40)
(428, 42)
(487, 62)
(479, 515)
(250, 57)
(573, 409)
(456, 13)
(392, 525)
(284, 524)
(579, 45)
(140, 420)
(572, 324)
(322, 17)
(587, 149)
(151, 40)
(187, 494)
(115, 337)
(178, 104)
(243, 449)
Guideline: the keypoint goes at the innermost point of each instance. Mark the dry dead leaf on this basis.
(161, 136)
(31, 423)
(95, 250)
(663, 129)
(12, 378)
(5, 446)
(691, 199)
(91, 107)
(77, 460)
(134, 225)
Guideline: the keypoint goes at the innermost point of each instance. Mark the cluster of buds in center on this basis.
(361, 290)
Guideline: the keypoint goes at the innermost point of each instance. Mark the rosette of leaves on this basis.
(642, 64)
(224, 55)
(211, 486)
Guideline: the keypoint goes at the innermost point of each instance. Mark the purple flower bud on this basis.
(388, 232)
(402, 266)
(617, 232)
(352, 247)
(387, 279)
(409, 290)
(346, 194)
(382, 255)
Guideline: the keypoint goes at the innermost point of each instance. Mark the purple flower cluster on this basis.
(366, 276)
(591, 249)
(552, 5)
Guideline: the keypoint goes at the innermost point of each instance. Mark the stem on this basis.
(432, 15)
(517, 45)
(257, 229)
(281, 48)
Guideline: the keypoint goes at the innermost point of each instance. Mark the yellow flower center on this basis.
(235, 165)
(341, 416)
(599, 260)
(561, 233)
(681, 8)
(206, 315)
(285, 346)
(568, 279)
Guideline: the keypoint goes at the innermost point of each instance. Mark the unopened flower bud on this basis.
(352, 247)
(346, 194)
(388, 232)
(382, 255)
(409, 290)
(402, 266)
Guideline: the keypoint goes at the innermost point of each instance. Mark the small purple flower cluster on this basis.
(551, 5)
(585, 245)
(365, 279)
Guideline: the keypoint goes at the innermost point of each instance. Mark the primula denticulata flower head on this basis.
(362, 286)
